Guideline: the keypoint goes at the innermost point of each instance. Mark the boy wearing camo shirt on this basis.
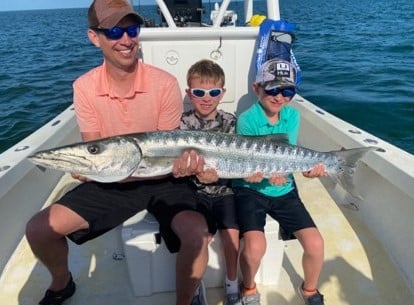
(205, 80)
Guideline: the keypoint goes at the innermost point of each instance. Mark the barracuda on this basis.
(232, 156)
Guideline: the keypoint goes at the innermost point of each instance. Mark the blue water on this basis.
(357, 58)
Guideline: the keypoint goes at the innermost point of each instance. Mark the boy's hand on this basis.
(255, 178)
(208, 176)
(318, 171)
(277, 179)
(189, 164)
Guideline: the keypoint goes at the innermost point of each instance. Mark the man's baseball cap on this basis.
(106, 14)
(276, 73)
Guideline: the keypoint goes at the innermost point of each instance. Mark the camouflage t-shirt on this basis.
(223, 122)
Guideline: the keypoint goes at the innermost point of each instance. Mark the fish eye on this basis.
(93, 149)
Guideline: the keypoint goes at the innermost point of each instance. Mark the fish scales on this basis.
(225, 152)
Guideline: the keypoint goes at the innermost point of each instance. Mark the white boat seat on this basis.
(151, 266)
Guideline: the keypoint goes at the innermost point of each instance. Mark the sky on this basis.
(16, 5)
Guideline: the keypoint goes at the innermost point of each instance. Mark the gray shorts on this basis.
(107, 205)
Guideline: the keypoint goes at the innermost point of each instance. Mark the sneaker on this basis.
(233, 299)
(314, 299)
(252, 299)
(200, 299)
(58, 297)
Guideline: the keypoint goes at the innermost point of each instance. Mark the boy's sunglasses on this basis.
(286, 92)
(197, 92)
(117, 32)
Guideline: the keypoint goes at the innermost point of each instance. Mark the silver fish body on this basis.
(152, 154)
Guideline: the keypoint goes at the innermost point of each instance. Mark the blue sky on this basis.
(15, 5)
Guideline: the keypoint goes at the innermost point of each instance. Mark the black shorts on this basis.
(288, 210)
(107, 205)
(220, 211)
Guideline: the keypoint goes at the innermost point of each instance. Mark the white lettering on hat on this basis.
(282, 69)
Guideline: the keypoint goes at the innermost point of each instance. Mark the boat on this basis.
(368, 256)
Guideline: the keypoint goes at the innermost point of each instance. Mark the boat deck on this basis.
(357, 270)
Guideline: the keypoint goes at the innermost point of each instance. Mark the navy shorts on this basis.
(288, 210)
(220, 211)
(107, 205)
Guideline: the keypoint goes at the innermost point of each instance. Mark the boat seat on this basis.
(151, 266)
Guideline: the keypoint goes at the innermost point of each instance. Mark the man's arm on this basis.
(90, 136)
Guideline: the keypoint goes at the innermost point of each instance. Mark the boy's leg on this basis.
(230, 244)
(313, 256)
(251, 215)
(251, 254)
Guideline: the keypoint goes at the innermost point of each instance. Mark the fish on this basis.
(151, 154)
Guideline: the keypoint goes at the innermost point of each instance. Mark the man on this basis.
(123, 95)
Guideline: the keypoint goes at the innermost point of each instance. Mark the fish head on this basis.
(107, 160)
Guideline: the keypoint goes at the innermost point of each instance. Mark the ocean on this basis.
(356, 56)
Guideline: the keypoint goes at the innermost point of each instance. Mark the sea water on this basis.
(356, 56)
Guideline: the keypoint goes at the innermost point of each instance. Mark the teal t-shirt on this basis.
(254, 122)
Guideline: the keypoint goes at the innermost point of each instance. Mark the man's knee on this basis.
(36, 227)
(191, 227)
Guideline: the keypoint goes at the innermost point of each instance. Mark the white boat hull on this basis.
(368, 240)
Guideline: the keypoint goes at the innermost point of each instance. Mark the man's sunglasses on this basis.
(117, 32)
(286, 92)
(197, 92)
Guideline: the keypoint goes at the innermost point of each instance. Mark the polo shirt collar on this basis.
(140, 83)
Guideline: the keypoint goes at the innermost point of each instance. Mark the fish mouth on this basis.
(61, 161)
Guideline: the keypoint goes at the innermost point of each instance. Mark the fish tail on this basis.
(348, 160)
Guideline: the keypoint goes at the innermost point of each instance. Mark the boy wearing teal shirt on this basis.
(254, 122)
(277, 196)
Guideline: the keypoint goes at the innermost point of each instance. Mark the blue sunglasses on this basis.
(197, 92)
(286, 92)
(117, 32)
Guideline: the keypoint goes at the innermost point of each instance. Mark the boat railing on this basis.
(273, 12)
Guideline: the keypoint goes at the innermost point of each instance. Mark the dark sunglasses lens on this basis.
(215, 92)
(272, 92)
(198, 92)
(288, 92)
(117, 32)
(114, 33)
(133, 31)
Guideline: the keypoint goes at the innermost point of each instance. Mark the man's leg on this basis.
(192, 259)
(46, 233)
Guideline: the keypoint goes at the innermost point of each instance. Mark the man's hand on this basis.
(80, 177)
(189, 164)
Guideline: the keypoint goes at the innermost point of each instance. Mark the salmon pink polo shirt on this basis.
(154, 103)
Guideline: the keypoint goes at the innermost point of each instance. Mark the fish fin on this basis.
(348, 160)
(107, 179)
(277, 137)
(154, 166)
